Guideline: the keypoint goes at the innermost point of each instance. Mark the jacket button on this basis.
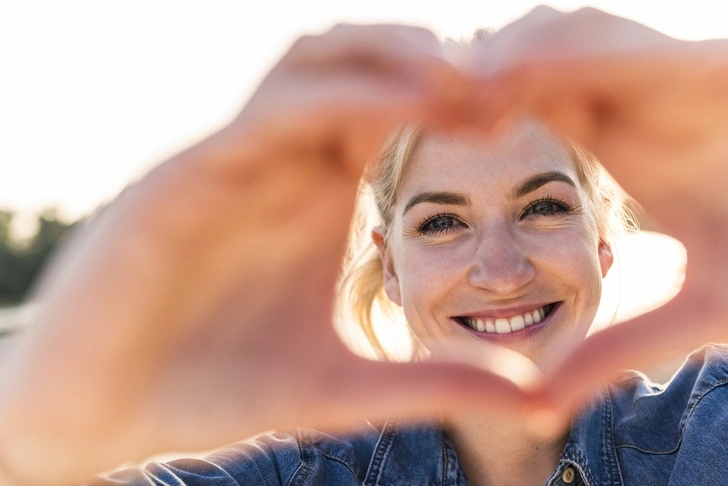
(568, 475)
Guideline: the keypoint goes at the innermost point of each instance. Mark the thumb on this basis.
(656, 336)
(496, 381)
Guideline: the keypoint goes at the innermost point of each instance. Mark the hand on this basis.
(653, 110)
(196, 310)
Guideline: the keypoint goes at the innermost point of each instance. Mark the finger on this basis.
(581, 99)
(547, 35)
(492, 381)
(510, 45)
(332, 388)
(416, 390)
(384, 47)
(408, 57)
(342, 120)
(675, 329)
(654, 139)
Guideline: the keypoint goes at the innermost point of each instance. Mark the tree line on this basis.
(22, 260)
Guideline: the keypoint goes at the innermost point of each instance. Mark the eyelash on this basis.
(422, 228)
(561, 208)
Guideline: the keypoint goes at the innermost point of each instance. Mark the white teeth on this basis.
(505, 326)
(517, 323)
(502, 326)
(479, 325)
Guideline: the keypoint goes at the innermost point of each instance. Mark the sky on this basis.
(94, 93)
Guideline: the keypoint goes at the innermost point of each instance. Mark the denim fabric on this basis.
(632, 433)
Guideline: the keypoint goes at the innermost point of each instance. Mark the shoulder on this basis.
(634, 397)
(677, 428)
(386, 452)
(301, 456)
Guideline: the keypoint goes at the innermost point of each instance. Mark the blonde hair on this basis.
(362, 287)
(362, 291)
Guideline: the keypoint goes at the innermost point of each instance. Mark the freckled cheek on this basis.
(426, 276)
(569, 252)
(573, 259)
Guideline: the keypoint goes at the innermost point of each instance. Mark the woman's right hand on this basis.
(654, 110)
(196, 309)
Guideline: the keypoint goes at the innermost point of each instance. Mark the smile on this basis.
(506, 325)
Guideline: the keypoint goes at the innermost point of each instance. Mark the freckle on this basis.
(603, 111)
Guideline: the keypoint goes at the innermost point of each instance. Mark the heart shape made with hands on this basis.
(215, 272)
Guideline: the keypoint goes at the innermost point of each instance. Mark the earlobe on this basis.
(606, 257)
(389, 274)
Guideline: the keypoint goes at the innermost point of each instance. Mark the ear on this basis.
(391, 281)
(606, 257)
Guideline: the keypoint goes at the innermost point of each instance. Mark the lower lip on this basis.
(512, 336)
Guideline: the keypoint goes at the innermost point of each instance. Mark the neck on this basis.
(494, 451)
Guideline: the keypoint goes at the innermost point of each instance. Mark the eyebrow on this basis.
(449, 198)
(538, 180)
(457, 199)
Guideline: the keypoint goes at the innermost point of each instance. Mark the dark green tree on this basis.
(21, 261)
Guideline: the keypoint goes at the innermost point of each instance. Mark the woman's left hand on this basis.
(196, 309)
(654, 110)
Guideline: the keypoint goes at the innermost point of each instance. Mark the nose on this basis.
(500, 265)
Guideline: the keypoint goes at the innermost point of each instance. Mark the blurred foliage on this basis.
(22, 260)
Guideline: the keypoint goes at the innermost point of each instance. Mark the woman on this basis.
(503, 241)
(196, 310)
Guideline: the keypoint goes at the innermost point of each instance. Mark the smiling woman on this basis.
(197, 308)
(478, 203)
(502, 239)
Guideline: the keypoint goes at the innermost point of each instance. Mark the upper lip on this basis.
(506, 311)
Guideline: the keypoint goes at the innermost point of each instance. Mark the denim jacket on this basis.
(633, 433)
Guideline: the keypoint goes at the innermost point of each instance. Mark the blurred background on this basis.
(92, 94)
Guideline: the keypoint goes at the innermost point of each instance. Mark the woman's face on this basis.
(494, 240)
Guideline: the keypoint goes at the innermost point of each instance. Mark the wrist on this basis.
(12, 470)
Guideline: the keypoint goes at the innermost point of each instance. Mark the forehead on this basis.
(457, 161)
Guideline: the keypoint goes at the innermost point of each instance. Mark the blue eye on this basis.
(439, 224)
(546, 207)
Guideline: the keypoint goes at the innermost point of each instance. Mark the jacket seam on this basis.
(306, 466)
(328, 455)
(450, 464)
(381, 450)
(339, 460)
(445, 462)
(615, 471)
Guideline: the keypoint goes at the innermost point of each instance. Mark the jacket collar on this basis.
(420, 453)
(424, 451)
